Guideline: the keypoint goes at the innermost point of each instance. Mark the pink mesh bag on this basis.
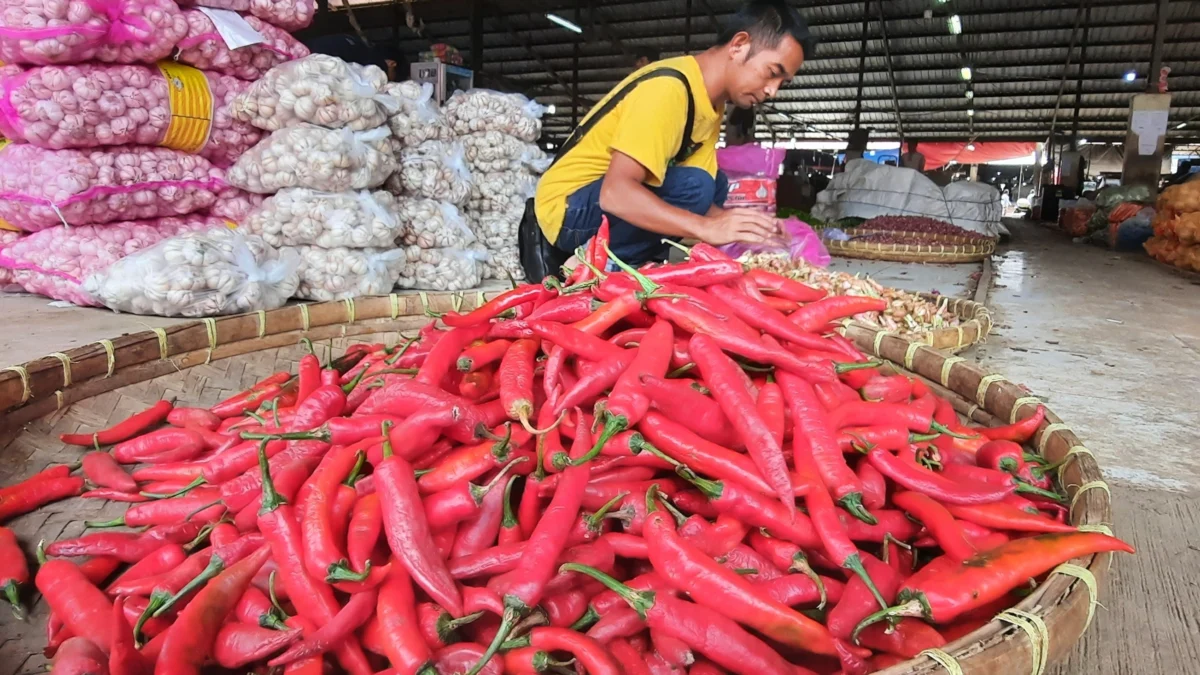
(204, 48)
(6, 275)
(43, 32)
(290, 15)
(43, 188)
(55, 261)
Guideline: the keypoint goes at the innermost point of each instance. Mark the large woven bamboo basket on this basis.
(919, 253)
(203, 362)
(975, 322)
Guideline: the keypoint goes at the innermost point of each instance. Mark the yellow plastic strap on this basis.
(162, 343)
(876, 343)
(66, 364)
(1096, 527)
(59, 400)
(961, 337)
(111, 353)
(1074, 452)
(971, 411)
(395, 300)
(304, 321)
(944, 660)
(350, 309)
(456, 301)
(210, 326)
(424, 301)
(191, 104)
(987, 381)
(1090, 485)
(26, 392)
(262, 322)
(1019, 403)
(910, 353)
(1035, 628)
(946, 366)
(1085, 575)
(1047, 433)
(480, 300)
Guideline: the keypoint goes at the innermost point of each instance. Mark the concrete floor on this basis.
(1112, 341)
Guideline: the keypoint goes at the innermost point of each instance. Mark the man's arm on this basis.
(625, 195)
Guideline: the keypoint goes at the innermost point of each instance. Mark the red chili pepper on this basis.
(594, 382)
(812, 424)
(887, 437)
(14, 571)
(510, 527)
(408, 532)
(662, 436)
(566, 308)
(482, 530)
(437, 628)
(888, 389)
(983, 476)
(722, 590)
(124, 658)
(348, 620)
(907, 639)
(403, 643)
(598, 256)
(77, 601)
(462, 502)
(1021, 432)
(324, 557)
(912, 476)
(682, 402)
(190, 640)
(763, 317)
(482, 353)
(444, 355)
(245, 402)
(777, 284)
(366, 524)
(1002, 516)
(874, 485)
(706, 631)
(943, 590)
(528, 293)
(721, 376)
(470, 462)
(197, 508)
(516, 381)
(314, 600)
(858, 601)
(239, 644)
(815, 316)
(101, 469)
(256, 609)
(36, 492)
(575, 341)
(123, 430)
(466, 657)
(588, 653)
(162, 446)
(193, 418)
(125, 546)
(79, 656)
(313, 666)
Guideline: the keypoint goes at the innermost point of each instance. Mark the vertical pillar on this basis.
(862, 65)
(1144, 139)
(477, 36)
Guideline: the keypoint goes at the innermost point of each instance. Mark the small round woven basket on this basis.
(204, 362)
(975, 322)
(933, 252)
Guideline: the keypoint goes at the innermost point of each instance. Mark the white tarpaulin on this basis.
(866, 190)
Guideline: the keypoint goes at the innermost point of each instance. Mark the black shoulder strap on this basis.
(686, 148)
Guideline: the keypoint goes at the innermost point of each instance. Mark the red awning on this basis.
(938, 155)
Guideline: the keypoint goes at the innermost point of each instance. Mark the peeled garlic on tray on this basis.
(314, 157)
(434, 170)
(317, 89)
(340, 273)
(300, 217)
(442, 269)
(201, 274)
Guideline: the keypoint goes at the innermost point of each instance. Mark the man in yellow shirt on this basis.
(645, 156)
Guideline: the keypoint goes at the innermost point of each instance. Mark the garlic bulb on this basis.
(419, 118)
(332, 160)
(434, 170)
(43, 32)
(204, 48)
(494, 151)
(487, 110)
(7, 237)
(317, 89)
(45, 188)
(235, 205)
(91, 105)
(200, 274)
(431, 224)
(442, 269)
(290, 15)
(54, 261)
(502, 192)
(496, 231)
(299, 217)
(340, 273)
(502, 263)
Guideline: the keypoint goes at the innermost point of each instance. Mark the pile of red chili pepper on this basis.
(675, 469)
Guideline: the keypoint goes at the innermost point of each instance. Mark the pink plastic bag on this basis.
(291, 15)
(55, 261)
(236, 205)
(43, 32)
(750, 160)
(88, 106)
(204, 48)
(7, 237)
(797, 241)
(45, 188)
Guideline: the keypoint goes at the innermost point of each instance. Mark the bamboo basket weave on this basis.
(203, 362)
(917, 253)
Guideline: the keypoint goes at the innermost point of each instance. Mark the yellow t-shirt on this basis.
(647, 125)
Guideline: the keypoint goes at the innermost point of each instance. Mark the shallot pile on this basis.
(698, 477)
(900, 226)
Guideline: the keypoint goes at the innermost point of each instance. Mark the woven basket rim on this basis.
(928, 253)
(975, 323)
(1062, 601)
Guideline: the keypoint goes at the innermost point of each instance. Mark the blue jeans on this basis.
(685, 187)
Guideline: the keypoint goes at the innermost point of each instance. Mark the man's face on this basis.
(757, 74)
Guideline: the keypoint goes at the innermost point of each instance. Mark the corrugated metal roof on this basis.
(1017, 49)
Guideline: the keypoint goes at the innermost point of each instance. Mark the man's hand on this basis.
(744, 226)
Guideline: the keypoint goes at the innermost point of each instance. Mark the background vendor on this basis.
(629, 159)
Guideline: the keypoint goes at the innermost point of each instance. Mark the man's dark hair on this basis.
(767, 22)
(651, 54)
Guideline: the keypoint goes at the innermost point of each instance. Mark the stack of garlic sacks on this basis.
(328, 150)
(497, 132)
(431, 183)
(121, 119)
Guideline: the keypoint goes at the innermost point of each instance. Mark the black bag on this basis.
(540, 258)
